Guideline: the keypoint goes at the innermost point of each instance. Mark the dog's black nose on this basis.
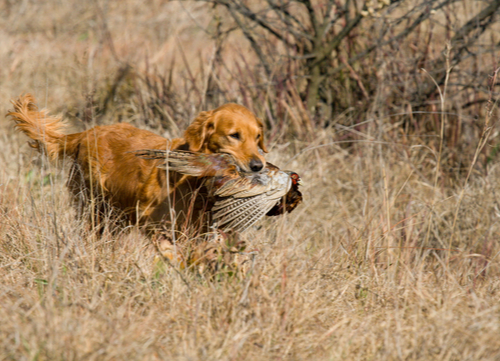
(256, 165)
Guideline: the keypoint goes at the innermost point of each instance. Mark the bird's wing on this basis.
(193, 164)
(245, 212)
(252, 184)
(151, 153)
(240, 207)
(242, 187)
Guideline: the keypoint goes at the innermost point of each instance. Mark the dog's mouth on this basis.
(245, 167)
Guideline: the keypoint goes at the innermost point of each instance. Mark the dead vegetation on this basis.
(394, 254)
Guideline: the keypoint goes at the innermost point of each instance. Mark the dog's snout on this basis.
(256, 165)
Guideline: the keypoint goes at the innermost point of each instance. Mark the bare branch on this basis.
(250, 38)
(282, 9)
(403, 34)
(323, 53)
(312, 16)
(245, 11)
(479, 24)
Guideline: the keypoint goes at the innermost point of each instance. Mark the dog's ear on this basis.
(261, 139)
(197, 133)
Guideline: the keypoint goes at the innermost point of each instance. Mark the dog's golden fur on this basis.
(106, 169)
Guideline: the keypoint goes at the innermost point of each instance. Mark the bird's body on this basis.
(291, 201)
(241, 198)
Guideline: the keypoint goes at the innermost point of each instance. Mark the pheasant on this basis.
(241, 198)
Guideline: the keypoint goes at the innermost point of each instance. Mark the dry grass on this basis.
(370, 267)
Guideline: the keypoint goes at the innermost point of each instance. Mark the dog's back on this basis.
(104, 164)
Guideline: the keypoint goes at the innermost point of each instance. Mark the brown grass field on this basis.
(394, 255)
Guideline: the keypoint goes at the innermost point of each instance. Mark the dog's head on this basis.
(231, 129)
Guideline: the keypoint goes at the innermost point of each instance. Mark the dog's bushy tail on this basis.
(39, 125)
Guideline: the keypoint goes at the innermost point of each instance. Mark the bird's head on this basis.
(296, 180)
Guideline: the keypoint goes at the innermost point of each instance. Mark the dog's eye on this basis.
(258, 136)
(235, 136)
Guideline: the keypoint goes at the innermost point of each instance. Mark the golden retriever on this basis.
(106, 174)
